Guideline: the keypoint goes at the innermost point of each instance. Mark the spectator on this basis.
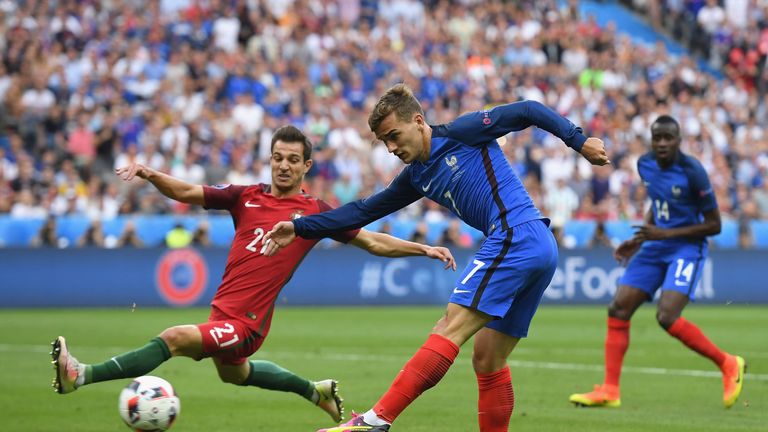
(82, 142)
(84, 94)
(129, 237)
(178, 237)
(453, 237)
(200, 237)
(561, 202)
(345, 189)
(420, 233)
(47, 236)
(93, 236)
(761, 199)
(27, 207)
(215, 171)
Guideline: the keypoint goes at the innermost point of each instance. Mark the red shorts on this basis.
(228, 339)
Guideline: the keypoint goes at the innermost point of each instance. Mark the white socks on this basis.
(372, 419)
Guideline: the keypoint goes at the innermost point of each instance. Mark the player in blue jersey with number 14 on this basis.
(668, 252)
(461, 166)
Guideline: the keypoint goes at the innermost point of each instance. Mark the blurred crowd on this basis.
(732, 35)
(195, 88)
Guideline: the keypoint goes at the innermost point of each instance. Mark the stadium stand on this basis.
(728, 237)
(195, 91)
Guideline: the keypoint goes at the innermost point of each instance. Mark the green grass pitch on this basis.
(665, 386)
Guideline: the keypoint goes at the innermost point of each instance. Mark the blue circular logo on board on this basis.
(181, 276)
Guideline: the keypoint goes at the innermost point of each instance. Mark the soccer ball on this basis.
(149, 403)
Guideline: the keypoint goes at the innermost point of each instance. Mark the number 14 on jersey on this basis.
(662, 209)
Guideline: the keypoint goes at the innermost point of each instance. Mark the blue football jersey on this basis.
(466, 172)
(680, 194)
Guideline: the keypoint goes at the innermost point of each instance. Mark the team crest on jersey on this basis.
(297, 214)
(452, 162)
(676, 191)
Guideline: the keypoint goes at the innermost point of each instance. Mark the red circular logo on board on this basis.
(181, 276)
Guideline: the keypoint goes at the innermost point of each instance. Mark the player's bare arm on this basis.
(710, 226)
(388, 246)
(594, 151)
(169, 186)
(628, 248)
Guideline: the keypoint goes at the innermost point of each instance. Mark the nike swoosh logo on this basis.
(426, 188)
(458, 291)
(248, 204)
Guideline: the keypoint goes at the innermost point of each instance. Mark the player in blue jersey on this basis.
(461, 166)
(667, 252)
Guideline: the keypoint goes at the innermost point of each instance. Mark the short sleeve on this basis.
(221, 197)
(344, 236)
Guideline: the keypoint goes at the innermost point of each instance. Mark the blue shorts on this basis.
(508, 275)
(669, 266)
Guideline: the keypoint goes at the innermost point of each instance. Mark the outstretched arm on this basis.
(169, 186)
(351, 216)
(483, 126)
(360, 213)
(388, 246)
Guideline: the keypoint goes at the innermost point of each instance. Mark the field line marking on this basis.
(352, 357)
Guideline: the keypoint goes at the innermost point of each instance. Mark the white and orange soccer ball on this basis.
(149, 403)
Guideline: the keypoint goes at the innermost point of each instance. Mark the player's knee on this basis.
(619, 310)
(486, 362)
(177, 340)
(666, 318)
(230, 378)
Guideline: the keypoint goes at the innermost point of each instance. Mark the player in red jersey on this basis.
(241, 310)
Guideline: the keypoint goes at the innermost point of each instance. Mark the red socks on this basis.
(616, 343)
(497, 400)
(425, 369)
(694, 338)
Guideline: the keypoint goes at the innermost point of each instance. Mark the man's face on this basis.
(403, 138)
(288, 166)
(665, 141)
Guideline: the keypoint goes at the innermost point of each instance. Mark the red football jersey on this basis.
(252, 281)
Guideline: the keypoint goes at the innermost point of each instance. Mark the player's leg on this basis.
(484, 291)
(230, 341)
(423, 371)
(624, 304)
(496, 399)
(267, 375)
(182, 340)
(430, 363)
(532, 263)
(679, 288)
(477, 299)
(643, 277)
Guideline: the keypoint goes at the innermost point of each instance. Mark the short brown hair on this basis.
(292, 134)
(399, 99)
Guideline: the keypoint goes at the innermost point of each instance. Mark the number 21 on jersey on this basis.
(259, 234)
